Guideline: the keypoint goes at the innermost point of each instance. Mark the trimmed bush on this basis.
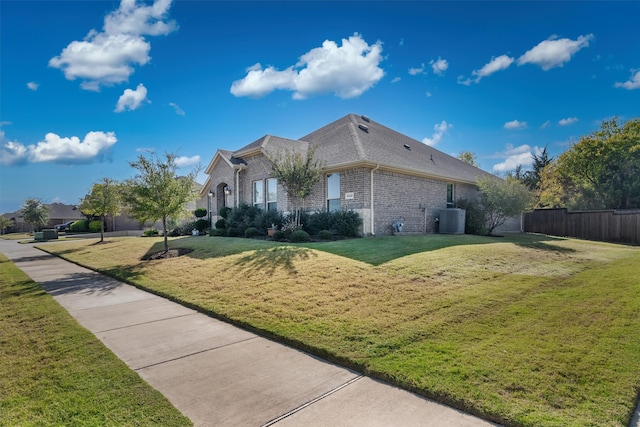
(300, 236)
(233, 232)
(320, 220)
(94, 226)
(325, 235)
(217, 232)
(266, 219)
(149, 232)
(346, 223)
(251, 232)
(242, 217)
(80, 226)
(201, 225)
(188, 227)
(221, 224)
(277, 236)
(224, 212)
(200, 213)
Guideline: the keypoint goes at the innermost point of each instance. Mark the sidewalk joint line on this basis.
(311, 402)
(194, 353)
(146, 323)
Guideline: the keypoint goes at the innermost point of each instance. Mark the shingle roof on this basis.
(355, 139)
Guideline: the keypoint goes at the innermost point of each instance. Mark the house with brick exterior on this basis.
(386, 177)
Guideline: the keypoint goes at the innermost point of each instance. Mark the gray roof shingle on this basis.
(355, 139)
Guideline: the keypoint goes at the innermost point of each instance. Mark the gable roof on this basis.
(357, 139)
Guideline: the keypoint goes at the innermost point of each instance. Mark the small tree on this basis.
(468, 157)
(4, 224)
(502, 199)
(103, 200)
(297, 174)
(35, 213)
(157, 193)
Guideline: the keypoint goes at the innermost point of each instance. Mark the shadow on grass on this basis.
(379, 250)
(270, 259)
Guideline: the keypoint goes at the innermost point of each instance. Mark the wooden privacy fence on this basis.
(619, 226)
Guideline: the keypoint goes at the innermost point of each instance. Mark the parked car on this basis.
(64, 227)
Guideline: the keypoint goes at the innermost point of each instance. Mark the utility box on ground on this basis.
(452, 221)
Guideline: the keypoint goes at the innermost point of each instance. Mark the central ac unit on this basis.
(452, 221)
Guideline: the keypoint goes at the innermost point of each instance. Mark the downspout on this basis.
(237, 187)
(373, 230)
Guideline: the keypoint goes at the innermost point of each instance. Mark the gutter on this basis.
(373, 231)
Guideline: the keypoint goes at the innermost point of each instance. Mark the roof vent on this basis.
(407, 147)
(364, 127)
(365, 118)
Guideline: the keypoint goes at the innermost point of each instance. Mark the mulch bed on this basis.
(171, 253)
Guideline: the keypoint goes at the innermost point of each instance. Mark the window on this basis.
(272, 194)
(258, 194)
(450, 195)
(333, 192)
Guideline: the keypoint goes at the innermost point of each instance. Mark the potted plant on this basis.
(271, 230)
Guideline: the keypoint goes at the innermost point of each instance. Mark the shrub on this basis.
(346, 223)
(475, 219)
(150, 232)
(300, 236)
(251, 232)
(267, 219)
(200, 213)
(201, 224)
(224, 212)
(325, 235)
(277, 236)
(217, 232)
(242, 217)
(320, 220)
(233, 232)
(188, 227)
(94, 226)
(80, 226)
(221, 224)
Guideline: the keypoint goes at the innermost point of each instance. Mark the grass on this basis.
(525, 330)
(54, 372)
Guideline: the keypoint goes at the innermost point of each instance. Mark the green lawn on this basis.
(523, 330)
(53, 372)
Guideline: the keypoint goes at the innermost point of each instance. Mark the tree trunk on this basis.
(102, 229)
(164, 232)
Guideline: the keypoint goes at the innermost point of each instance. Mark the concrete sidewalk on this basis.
(215, 373)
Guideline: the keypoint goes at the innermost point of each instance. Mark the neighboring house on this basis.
(381, 174)
(59, 213)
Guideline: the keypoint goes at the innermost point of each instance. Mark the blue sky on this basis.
(87, 86)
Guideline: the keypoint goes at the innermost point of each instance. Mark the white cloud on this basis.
(56, 149)
(396, 80)
(632, 83)
(545, 124)
(439, 66)
(554, 52)
(107, 58)
(439, 130)
(184, 161)
(347, 71)
(131, 99)
(515, 124)
(428, 94)
(496, 64)
(514, 157)
(417, 70)
(33, 86)
(568, 121)
(179, 111)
